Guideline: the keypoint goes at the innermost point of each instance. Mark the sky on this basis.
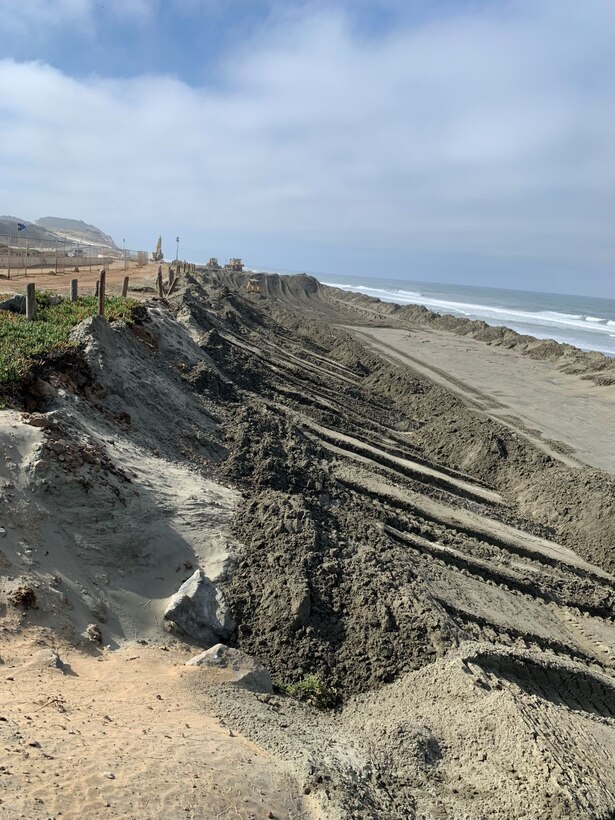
(465, 141)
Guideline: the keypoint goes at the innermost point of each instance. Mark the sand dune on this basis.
(406, 521)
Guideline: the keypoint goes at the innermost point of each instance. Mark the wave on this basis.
(581, 330)
(503, 315)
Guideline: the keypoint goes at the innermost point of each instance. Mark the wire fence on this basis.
(21, 256)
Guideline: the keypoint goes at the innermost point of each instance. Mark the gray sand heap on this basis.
(314, 517)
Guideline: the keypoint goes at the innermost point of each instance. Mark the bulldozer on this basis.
(253, 285)
(235, 265)
(213, 264)
(157, 254)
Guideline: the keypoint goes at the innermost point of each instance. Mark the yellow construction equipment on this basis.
(157, 254)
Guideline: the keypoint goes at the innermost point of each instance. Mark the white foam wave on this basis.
(540, 323)
(539, 317)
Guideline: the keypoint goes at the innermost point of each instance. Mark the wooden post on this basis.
(171, 278)
(101, 292)
(159, 282)
(125, 287)
(30, 301)
(74, 290)
(97, 289)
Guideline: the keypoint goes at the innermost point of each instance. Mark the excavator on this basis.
(157, 254)
(253, 285)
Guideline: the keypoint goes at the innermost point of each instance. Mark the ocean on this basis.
(587, 322)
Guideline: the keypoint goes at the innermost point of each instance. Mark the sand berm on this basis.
(444, 575)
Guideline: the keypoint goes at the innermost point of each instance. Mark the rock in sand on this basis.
(198, 609)
(242, 669)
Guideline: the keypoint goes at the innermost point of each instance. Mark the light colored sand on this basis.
(534, 397)
(107, 541)
(60, 283)
(118, 736)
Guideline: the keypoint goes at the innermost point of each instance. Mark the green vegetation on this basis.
(23, 343)
(312, 689)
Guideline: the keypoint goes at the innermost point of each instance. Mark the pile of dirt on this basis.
(480, 733)
(442, 580)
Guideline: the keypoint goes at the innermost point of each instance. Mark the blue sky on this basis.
(461, 141)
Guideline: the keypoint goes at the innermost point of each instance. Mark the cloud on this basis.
(36, 16)
(41, 19)
(487, 134)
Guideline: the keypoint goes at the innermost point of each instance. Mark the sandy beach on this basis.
(405, 530)
(140, 276)
(562, 414)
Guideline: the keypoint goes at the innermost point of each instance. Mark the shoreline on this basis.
(592, 365)
(554, 317)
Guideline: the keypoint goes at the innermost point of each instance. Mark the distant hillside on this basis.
(8, 227)
(76, 231)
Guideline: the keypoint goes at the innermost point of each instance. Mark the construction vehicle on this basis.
(213, 264)
(157, 255)
(235, 265)
(253, 285)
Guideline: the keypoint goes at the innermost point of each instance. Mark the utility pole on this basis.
(124, 252)
(8, 248)
(177, 249)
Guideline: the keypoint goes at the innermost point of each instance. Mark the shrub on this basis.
(24, 343)
(311, 689)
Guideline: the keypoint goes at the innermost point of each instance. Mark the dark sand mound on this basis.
(449, 583)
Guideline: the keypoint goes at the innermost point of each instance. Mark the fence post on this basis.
(74, 290)
(8, 248)
(125, 287)
(101, 292)
(159, 281)
(30, 301)
(171, 278)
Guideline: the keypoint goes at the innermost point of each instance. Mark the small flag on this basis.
(21, 226)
